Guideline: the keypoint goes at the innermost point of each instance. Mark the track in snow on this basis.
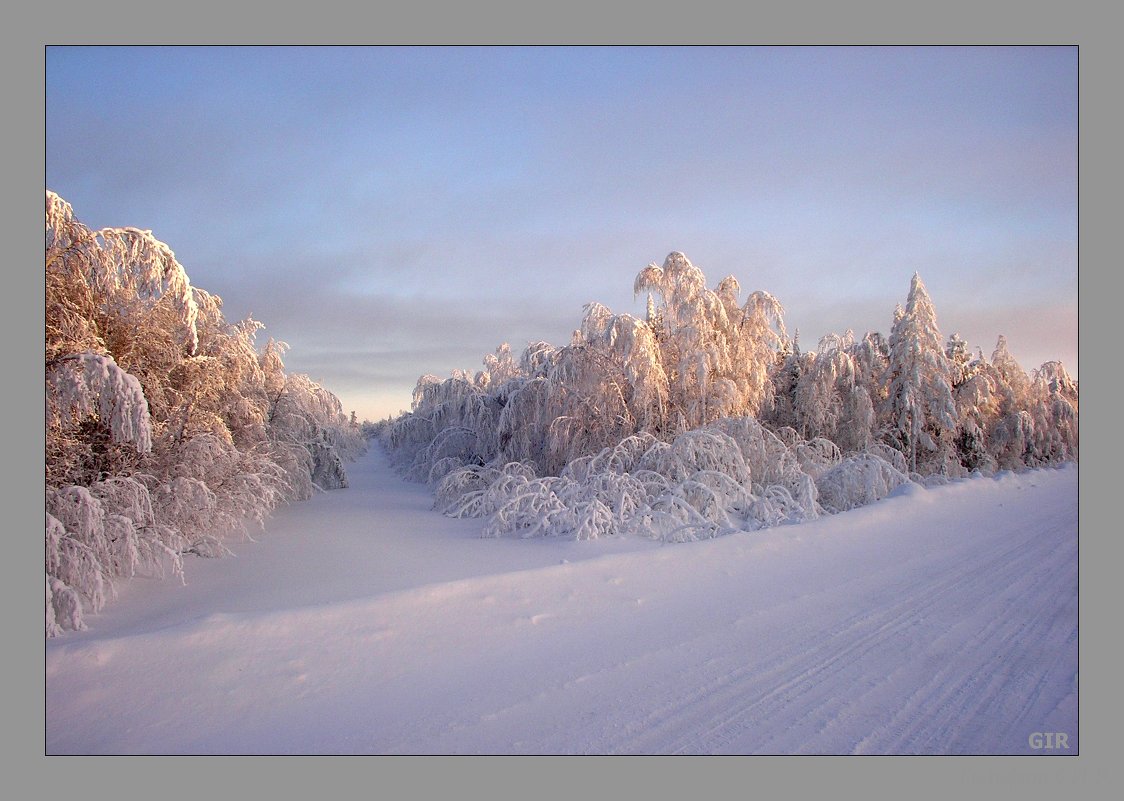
(968, 652)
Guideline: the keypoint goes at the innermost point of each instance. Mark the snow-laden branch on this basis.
(167, 430)
(87, 384)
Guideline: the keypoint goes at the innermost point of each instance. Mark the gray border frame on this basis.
(29, 29)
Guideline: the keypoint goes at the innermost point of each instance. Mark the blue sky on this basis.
(391, 212)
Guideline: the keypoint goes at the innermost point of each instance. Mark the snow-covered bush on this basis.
(697, 486)
(534, 507)
(857, 480)
(479, 491)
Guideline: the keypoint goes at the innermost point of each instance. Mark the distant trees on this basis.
(166, 427)
(606, 433)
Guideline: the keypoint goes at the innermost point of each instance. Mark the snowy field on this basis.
(935, 621)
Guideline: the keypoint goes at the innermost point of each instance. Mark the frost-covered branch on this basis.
(86, 384)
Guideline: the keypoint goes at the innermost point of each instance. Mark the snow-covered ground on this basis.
(934, 621)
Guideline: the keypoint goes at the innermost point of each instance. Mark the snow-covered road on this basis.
(935, 621)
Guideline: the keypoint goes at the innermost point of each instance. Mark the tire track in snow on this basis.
(799, 690)
(1010, 666)
(962, 599)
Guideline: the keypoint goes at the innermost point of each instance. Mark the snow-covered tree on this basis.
(919, 403)
(692, 352)
(786, 378)
(976, 394)
(1056, 410)
(831, 399)
(717, 355)
(166, 429)
(1011, 372)
(90, 389)
(1012, 432)
(501, 366)
(704, 418)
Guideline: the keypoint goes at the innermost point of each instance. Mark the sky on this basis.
(393, 212)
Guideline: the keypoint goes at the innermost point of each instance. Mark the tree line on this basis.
(705, 372)
(168, 428)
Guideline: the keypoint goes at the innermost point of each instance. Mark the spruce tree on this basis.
(922, 414)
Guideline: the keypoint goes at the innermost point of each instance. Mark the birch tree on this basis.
(717, 354)
(166, 429)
